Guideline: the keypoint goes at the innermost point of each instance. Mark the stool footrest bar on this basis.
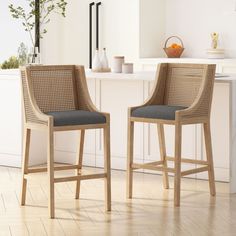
(56, 168)
(187, 160)
(80, 177)
(152, 167)
(194, 171)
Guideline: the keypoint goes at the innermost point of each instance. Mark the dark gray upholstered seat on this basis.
(77, 117)
(163, 112)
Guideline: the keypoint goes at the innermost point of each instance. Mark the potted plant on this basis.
(35, 18)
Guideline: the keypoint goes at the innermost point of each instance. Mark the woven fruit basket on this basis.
(174, 50)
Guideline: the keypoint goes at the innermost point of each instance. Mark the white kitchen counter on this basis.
(137, 75)
(148, 76)
(114, 93)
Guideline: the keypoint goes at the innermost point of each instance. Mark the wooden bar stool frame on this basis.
(201, 80)
(36, 119)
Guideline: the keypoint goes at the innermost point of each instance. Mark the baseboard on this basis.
(10, 160)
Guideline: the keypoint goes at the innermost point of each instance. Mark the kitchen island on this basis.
(114, 93)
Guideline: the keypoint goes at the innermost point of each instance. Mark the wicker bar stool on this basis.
(56, 98)
(182, 95)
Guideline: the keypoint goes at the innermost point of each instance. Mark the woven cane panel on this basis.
(204, 107)
(182, 86)
(29, 114)
(53, 89)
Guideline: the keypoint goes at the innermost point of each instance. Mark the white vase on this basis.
(96, 64)
(34, 56)
(37, 56)
(104, 60)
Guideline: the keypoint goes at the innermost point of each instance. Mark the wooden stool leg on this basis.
(50, 167)
(208, 144)
(27, 134)
(130, 147)
(162, 145)
(177, 178)
(79, 162)
(107, 166)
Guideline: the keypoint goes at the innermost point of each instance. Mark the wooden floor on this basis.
(150, 213)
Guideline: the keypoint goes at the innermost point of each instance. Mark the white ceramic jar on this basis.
(117, 64)
(127, 68)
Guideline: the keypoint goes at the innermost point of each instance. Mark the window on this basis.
(11, 31)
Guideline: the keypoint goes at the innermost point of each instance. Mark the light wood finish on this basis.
(81, 127)
(50, 168)
(208, 144)
(177, 163)
(189, 85)
(186, 160)
(79, 162)
(130, 148)
(56, 168)
(84, 177)
(194, 171)
(25, 163)
(107, 167)
(156, 163)
(162, 145)
(59, 88)
(199, 215)
(149, 166)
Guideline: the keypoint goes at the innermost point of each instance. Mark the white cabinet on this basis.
(11, 124)
(11, 121)
(220, 131)
(228, 67)
(115, 97)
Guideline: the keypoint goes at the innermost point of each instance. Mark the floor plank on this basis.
(150, 212)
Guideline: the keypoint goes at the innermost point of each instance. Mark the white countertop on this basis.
(138, 75)
(147, 75)
(187, 60)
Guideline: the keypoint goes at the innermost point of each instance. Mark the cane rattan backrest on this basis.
(29, 113)
(53, 87)
(182, 84)
(189, 85)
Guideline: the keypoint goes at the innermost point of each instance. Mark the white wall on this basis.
(122, 34)
(151, 28)
(194, 20)
(51, 46)
(118, 32)
(120, 29)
